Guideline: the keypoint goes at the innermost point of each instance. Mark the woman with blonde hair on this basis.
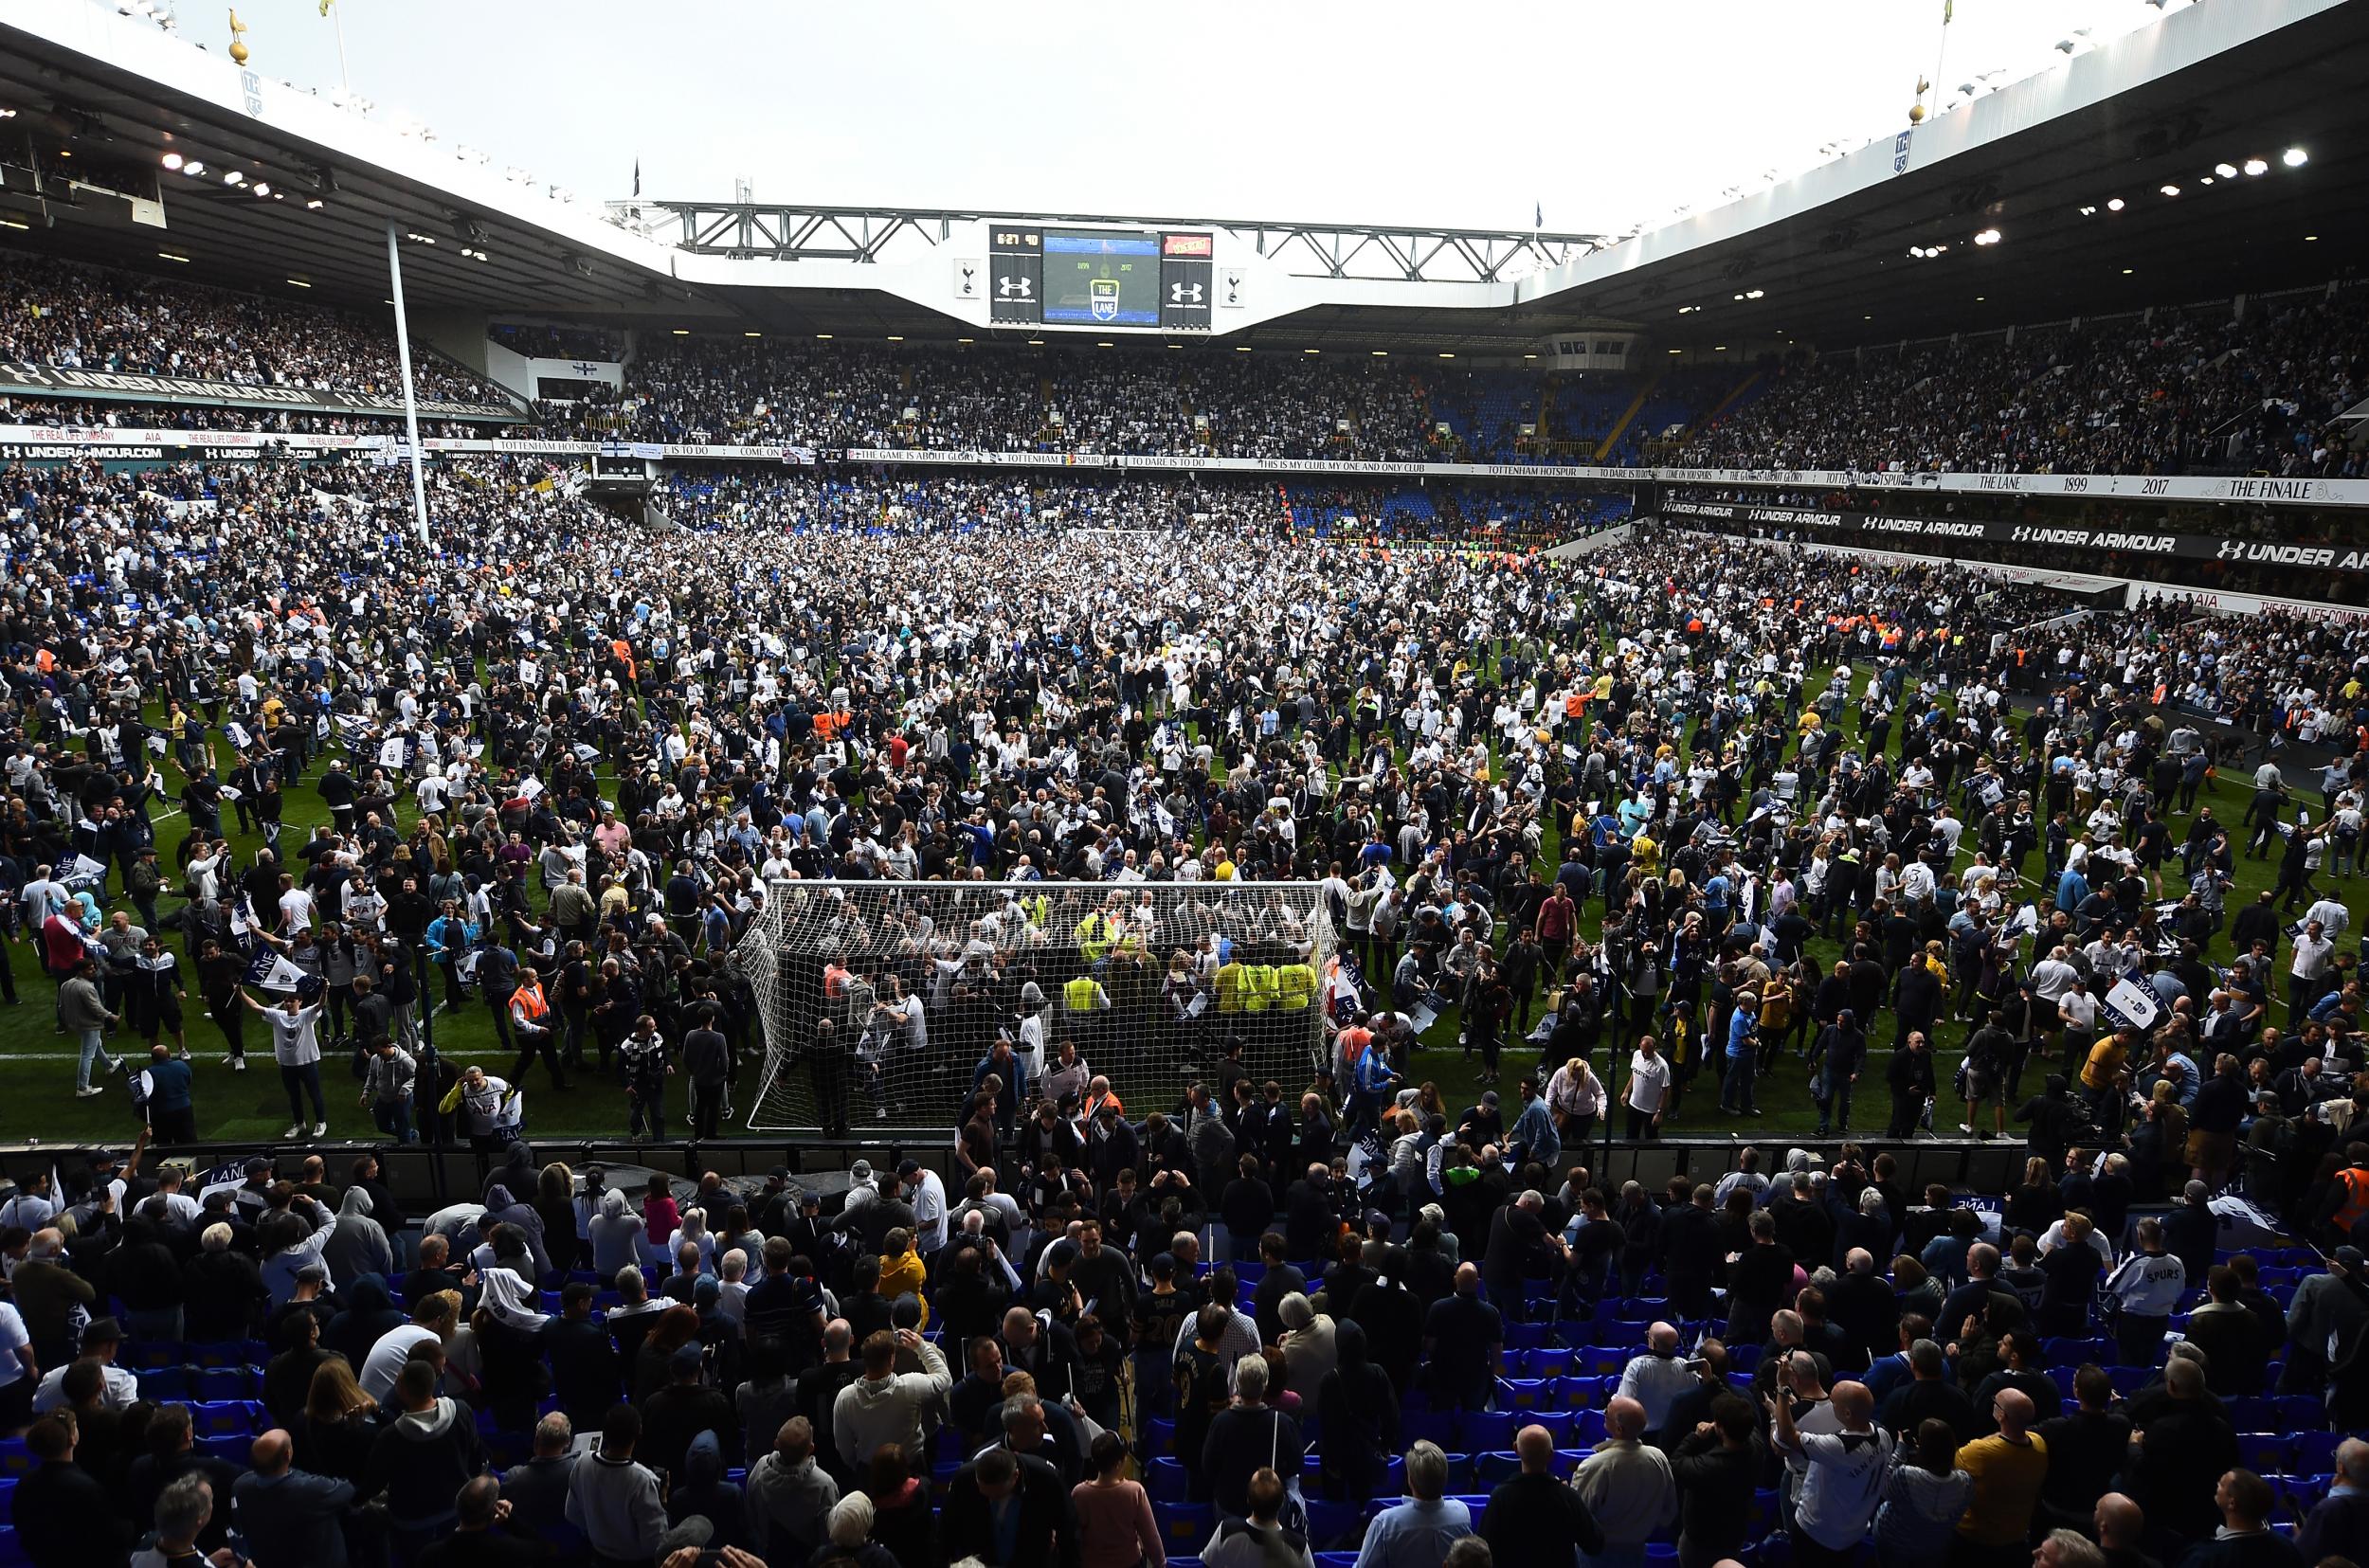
(334, 1435)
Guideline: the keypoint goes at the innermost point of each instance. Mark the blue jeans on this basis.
(94, 1048)
(1837, 1091)
(298, 1081)
(394, 1118)
(1735, 1090)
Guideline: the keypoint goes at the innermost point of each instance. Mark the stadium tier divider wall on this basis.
(1099, 956)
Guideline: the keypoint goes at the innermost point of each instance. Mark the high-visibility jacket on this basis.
(1260, 987)
(2356, 1205)
(1093, 935)
(1079, 995)
(528, 1006)
(1229, 988)
(1296, 985)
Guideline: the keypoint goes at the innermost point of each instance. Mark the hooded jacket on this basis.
(789, 1503)
(616, 1233)
(421, 1460)
(356, 1246)
(872, 1411)
(369, 1314)
(615, 1503)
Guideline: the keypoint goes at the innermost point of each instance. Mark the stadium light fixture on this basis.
(1308, 351)
(1739, 297)
(2089, 212)
(12, 223)
(1238, 347)
(299, 282)
(2169, 189)
(1444, 354)
(234, 177)
(2294, 158)
(1530, 357)
(170, 257)
(1381, 354)
(1988, 237)
(2311, 237)
(682, 331)
(193, 168)
(1102, 345)
(2205, 180)
(262, 187)
(2125, 272)
(753, 334)
(313, 206)
(2255, 165)
(974, 340)
(1034, 342)
(2227, 171)
(823, 338)
(1677, 351)
(2115, 204)
(172, 161)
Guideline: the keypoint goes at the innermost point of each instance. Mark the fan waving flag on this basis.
(1344, 989)
(271, 972)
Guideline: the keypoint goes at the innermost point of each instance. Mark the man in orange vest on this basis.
(2350, 1194)
(530, 1020)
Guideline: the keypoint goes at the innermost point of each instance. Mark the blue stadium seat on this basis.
(151, 1354)
(226, 1419)
(1329, 1522)
(1550, 1362)
(2264, 1452)
(15, 1458)
(1489, 1469)
(12, 1554)
(1166, 1481)
(1560, 1425)
(2315, 1451)
(1587, 1429)
(2299, 1412)
(163, 1384)
(1525, 1392)
(1184, 1525)
(1159, 1436)
(1335, 1559)
(215, 1384)
(1525, 1336)
(1486, 1431)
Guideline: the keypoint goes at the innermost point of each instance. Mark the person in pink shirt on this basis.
(1115, 1524)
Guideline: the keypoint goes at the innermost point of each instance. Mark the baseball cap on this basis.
(2351, 1258)
(686, 1359)
(911, 1167)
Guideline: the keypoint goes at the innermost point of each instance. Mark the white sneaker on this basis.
(238, 1064)
(296, 1129)
(89, 1089)
(320, 1130)
(881, 1114)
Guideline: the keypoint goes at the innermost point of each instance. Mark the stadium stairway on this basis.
(1620, 426)
(1734, 397)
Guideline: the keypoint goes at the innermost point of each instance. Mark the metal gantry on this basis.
(1368, 252)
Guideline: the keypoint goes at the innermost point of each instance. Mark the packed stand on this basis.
(2183, 391)
(75, 318)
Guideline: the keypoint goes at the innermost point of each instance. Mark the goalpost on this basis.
(989, 960)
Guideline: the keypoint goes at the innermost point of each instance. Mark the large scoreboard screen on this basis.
(1099, 278)
(1096, 278)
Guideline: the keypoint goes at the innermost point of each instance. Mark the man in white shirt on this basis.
(2306, 971)
(926, 1193)
(297, 1050)
(118, 1388)
(1655, 1379)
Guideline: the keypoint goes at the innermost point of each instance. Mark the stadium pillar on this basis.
(411, 397)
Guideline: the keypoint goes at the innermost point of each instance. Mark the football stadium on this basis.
(712, 883)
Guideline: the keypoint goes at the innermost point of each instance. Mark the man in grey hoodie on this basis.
(356, 1246)
(613, 1500)
(885, 1405)
(790, 1497)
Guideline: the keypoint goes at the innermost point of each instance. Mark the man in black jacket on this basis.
(1692, 1254)
(1910, 1079)
(583, 1356)
(1534, 1520)
(64, 1518)
(1716, 1465)
(1045, 1534)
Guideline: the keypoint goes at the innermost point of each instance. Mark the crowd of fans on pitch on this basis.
(609, 739)
(2172, 391)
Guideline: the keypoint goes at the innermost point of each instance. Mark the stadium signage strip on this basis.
(2191, 547)
(59, 381)
(2259, 491)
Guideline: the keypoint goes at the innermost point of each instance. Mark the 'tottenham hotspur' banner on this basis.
(2186, 546)
(59, 381)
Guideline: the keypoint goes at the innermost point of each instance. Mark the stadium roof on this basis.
(1827, 251)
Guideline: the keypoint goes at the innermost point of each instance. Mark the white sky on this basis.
(1607, 114)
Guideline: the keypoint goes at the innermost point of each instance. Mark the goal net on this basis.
(918, 980)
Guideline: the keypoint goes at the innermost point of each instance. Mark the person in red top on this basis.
(1557, 919)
